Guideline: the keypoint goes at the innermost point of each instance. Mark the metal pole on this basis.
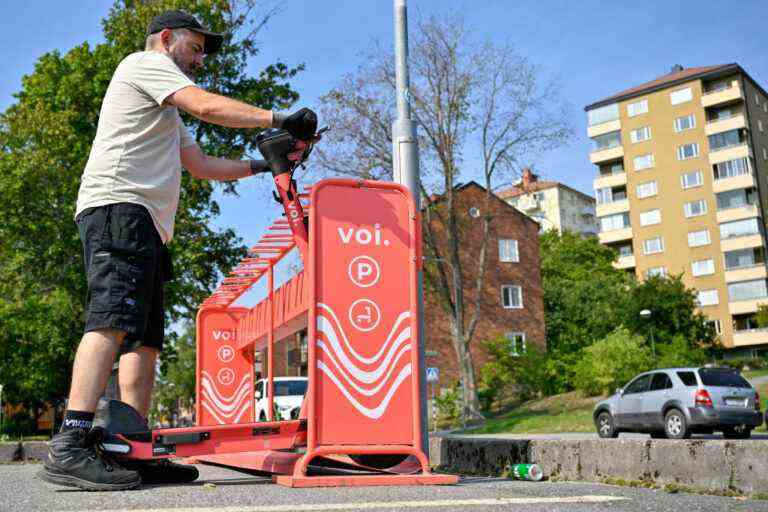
(1, 409)
(405, 170)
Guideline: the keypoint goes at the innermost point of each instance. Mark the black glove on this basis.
(259, 166)
(302, 124)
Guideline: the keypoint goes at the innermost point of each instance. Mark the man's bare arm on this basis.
(220, 110)
(202, 166)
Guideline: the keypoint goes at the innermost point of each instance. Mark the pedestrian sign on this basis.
(433, 374)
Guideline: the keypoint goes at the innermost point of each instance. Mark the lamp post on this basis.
(646, 315)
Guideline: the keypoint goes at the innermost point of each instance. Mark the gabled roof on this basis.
(669, 80)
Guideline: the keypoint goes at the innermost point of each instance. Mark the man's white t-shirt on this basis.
(135, 157)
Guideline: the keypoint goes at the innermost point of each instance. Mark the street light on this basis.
(646, 315)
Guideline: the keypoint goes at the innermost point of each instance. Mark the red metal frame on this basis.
(229, 336)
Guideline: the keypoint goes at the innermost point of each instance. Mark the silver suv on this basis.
(676, 402)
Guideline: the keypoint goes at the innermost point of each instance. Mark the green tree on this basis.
(175, 389)
(673, 313)
(45, 138)
(510, 376)
(584, 295)
(611, 362)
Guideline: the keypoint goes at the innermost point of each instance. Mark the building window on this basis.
(687, 151)
(765, 107)
(757, 99)
(681, 96)
(731, 168)
(685, 123)
(716, 326)
(640, 134)
(765, 154)
(653, 245)
(516, 343)
(691, 179)
(508, 250)
(744, 258)
(656, 272)
(615, 221)
(643, 162)
(625, 251)
(703, 267)
(747, 290)
(736, 198)
(759, 125)
(695, 208)
(512, 296)
(646, 189)
(650, 217)
(607, 141)
(708, 298)
(739, 228)
(727, 139)
(637, 108)
(699, 238)
(602, 115)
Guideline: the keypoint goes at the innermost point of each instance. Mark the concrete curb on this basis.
(710, 464)
(27, 451)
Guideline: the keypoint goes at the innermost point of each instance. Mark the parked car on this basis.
(676, 402)
(289, 394)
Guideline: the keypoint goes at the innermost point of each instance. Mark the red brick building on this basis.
(512, 301)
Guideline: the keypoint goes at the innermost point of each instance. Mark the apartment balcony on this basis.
(625, 262)
(611, 180)
(734, 183)
(741, 242)
(611, 208)
(616, 235)
(731, 94)
(750, 337)
(740, 212)
(606, 155)
(589, 212)
(745, 307)
(730, 153)
(746, 273)
(723, 125)
(603, 128)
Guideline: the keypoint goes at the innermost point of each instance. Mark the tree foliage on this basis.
(584, 295)
(45, 138)
(611, 362)
(467, 98)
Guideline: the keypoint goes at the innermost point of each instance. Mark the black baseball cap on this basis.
(180, 19)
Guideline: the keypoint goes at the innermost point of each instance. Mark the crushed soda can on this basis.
(527, 472)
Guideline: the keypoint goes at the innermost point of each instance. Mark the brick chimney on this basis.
(528, 178)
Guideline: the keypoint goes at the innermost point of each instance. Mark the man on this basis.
(125, 214)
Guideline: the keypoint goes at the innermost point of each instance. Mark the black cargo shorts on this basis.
(126, 264)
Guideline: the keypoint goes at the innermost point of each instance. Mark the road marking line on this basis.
(391, 504)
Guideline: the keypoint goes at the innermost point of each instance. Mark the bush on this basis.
(18, 425)
(611, 362)
(679, 353)
(511, 377)
(449, 404)
(749, 363)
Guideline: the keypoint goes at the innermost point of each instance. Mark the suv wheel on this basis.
(605, 426)
(732, 433)
(675, 425)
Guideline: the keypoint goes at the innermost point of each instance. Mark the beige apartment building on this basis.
(681, 187)
(552, 204)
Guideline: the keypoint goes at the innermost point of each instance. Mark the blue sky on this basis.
(595, 48)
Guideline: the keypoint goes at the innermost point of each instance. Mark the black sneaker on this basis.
(75, 459)
(162, 471)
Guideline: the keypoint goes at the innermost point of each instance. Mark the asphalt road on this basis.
(221, 490)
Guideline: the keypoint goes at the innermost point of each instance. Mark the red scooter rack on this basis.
(357, 297)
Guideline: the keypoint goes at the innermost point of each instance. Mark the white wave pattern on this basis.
(331, 329)
(366, 360)
(225, 409)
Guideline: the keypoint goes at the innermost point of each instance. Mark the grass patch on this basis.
(755, 373)
(568, 412)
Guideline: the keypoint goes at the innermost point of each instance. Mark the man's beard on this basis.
(186, 69)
